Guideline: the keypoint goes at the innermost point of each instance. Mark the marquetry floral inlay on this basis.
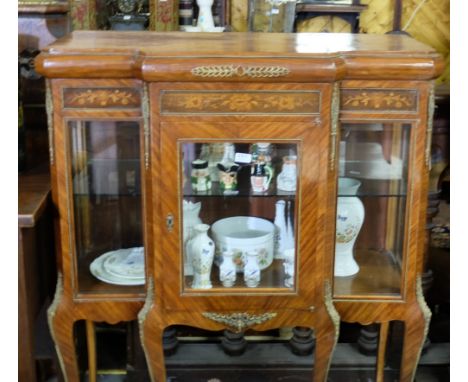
(241, 102)
(379, 100)
(101, 98)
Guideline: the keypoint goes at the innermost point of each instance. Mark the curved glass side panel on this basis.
(107, 206)
(371, 209)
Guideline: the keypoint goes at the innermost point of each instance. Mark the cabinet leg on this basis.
(91, 346)
(154, 353)
(324, 346)
(381, 351)
(415, 332)
(61, 323)
(61, 329)
(326, 337)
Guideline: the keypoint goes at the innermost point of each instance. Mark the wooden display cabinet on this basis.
(138, 121)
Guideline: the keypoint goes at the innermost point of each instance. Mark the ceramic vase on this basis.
(287, 178)
(350, 216)
(190, 220)
(227, 270)
(289, 242)
(280, 229)
(251, 269)
(205, 16)
(289, 268)
(201, 250)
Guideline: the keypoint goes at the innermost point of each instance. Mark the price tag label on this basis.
(127, 17)
(275, 11)
(243, 158)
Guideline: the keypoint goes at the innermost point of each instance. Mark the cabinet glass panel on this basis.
(107, 206)
(371, 209)
(239, 216)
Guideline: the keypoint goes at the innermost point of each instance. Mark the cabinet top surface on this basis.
(183, 44)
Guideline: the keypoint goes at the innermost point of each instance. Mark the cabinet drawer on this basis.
(103, 97)
(240, 102)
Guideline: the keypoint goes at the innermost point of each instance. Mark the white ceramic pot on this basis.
(241, 234)
(350, 216)
(201, 250)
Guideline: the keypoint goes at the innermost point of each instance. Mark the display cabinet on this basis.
(220, 161)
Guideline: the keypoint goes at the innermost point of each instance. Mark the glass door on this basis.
(235, 198)
(372, 209)
(239, 215)
(107, 206)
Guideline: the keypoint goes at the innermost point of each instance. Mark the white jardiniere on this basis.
(201, 251)
(350, 216)
(227, 270)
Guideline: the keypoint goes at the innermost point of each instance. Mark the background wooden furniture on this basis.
(389, 69)
(36, 264)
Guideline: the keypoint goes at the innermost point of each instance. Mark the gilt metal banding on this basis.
(430, 123)
(427, 314)
(224, 71)
(146, 129)
(335, 111)
(239, 321)
(50, 320)
(50, 124)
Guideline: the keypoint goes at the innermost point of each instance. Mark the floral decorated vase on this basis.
(350, 216)
(201, 251)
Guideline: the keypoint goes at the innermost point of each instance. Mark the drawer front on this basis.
(379, 100)
(240, 102)
(105, 97)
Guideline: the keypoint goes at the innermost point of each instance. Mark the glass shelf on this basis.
(379, 276)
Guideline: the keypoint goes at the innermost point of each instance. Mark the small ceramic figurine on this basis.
(200, 176)
(251, 269)
(227, 270)
(261, 177)
(228, 176)
(287, 178)
(201, 250)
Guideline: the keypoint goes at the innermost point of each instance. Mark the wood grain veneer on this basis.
(176, 78)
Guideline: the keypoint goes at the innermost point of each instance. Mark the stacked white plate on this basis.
(120, 267)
